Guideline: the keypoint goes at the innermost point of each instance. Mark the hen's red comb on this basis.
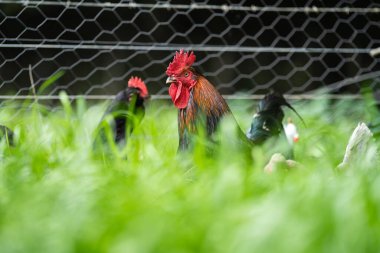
(136, 82)
(180, 62)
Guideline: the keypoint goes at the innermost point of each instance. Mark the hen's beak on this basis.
(171, 79)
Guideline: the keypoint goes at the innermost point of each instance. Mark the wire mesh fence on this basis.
(244, 49)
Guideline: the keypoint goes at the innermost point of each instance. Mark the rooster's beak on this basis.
(171, 79)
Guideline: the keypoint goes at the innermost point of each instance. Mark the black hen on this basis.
(267, 121)
(126, 110)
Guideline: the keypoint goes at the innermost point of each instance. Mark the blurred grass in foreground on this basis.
(56, 195)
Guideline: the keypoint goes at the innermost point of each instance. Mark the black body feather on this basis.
(7, 135)
(127, 110)
(267, 121)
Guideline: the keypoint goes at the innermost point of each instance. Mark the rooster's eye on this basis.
(186, 74)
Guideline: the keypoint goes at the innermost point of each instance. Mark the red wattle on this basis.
(180, 95)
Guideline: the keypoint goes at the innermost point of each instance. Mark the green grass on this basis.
(56, 195)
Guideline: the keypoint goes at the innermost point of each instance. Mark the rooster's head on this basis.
(139, 85)
(181, 77)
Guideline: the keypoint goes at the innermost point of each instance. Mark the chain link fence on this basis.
(244, 49)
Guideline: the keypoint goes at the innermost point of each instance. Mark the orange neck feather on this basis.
(209, 99)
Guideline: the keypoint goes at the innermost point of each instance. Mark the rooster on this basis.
(199, 104)
(126, 110)
(201, 107)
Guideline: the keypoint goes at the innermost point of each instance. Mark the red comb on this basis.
(136, 82)
(180, 62)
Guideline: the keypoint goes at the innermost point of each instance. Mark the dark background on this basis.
(105, 71)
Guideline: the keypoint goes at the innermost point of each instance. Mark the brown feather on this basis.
(205, 103)
(209, 99)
